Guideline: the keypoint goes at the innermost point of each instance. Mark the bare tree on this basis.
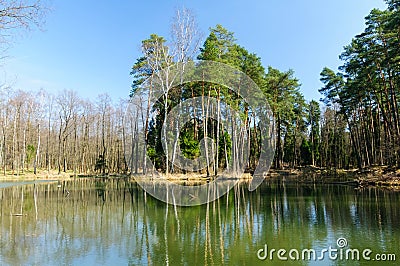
(5, 114)
(104, 110)
(64, 132)
(162, 58)
(68, 102)
(185, 35)
(48, 105)
(87, 121)
(17, 15)
(185, 42)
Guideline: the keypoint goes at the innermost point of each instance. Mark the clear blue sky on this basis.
(90, 46)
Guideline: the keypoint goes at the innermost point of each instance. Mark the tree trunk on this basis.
(37, 150)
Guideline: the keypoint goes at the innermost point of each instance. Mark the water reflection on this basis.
(114, 222)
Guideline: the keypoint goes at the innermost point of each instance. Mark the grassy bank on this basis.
(30, 175)
(378, 176)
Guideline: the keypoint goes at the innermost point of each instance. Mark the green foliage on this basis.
(288, 106)
(190, 146)
(365, 91)
(30, 153)
(101, 164)
(140, 71)
(393, 5)
(333, 86)
(217, 44)
(153, 49)
(305, 152)
(281, 90)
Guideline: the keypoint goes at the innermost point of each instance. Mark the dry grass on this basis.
(29, 175)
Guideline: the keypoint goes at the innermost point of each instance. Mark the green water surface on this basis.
(114, 222)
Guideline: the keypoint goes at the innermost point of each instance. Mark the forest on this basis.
(355, 124)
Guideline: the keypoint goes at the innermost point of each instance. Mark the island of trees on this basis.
(356, 125)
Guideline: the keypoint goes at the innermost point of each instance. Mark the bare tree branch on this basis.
(185, 34)
(19, 16)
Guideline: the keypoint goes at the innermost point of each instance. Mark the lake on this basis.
(114, 222)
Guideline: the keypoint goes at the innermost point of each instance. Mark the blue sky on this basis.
(90, 46)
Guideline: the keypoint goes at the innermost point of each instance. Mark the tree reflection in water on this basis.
(113, 222)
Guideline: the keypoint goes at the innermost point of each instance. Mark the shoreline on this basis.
(379, 176)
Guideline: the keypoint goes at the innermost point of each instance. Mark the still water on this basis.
(114, 222)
